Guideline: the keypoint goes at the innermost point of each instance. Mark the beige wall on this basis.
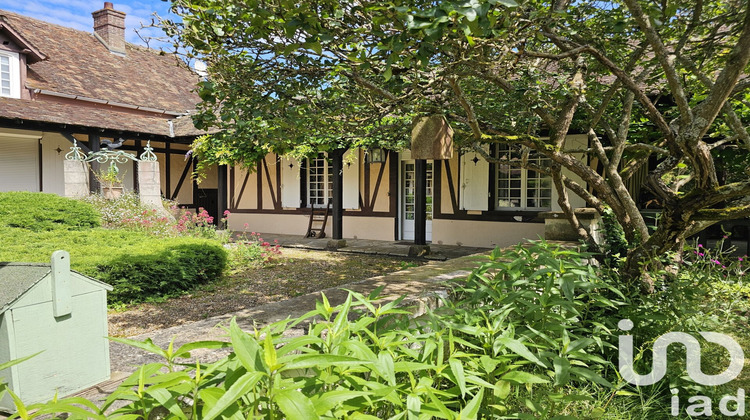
(483, 234)
(378, 228)
(286, 224)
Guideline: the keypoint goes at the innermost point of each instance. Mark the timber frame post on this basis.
(337, 166)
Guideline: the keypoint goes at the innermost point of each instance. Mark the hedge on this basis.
(41, 211)
(137, 264)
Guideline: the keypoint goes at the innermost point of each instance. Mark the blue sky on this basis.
(77, 13)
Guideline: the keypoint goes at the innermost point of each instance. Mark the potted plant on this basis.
(111, 181)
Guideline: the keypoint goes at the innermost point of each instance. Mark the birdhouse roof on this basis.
(18, 278)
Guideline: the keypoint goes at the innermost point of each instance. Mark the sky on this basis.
(77, 13)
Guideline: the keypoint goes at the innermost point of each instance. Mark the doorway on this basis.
(408, 200)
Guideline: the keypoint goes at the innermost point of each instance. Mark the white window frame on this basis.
(328, 181)
(15, 74)
(524, 184)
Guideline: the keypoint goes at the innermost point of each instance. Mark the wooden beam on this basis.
(94, 145)
(182, 179)
(276, 205)
(451, 187)
(168, 169)
(374, 198)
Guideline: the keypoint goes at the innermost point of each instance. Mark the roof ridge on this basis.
(68, 28)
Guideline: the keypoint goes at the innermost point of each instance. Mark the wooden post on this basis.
(420, 205)
(94, 146)
(62, 299)
(136, 185)
(222, 196)
(338, 192)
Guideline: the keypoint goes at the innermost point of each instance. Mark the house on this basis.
(468, 201)
(42, 307)
(62, 85)
(58, 85)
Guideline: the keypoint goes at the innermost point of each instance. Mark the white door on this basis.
(408, 202)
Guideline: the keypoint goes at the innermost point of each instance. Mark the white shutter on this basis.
(290, 192)
(351, 179)
(19, 164)
(475, 178)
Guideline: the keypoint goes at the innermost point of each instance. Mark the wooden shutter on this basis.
(19, 164)
(475, 178)
(351, 179)
(290, 184)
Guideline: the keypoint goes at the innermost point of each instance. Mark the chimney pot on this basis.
(109, 28)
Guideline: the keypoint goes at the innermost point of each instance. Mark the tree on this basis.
(664, 82)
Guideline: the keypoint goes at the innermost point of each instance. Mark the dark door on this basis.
(208, 198)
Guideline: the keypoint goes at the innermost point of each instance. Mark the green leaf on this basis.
(146, 345)
(591, 376)
(520, 349)
(269, 352)
(185, 349)
(240, 387)
(328, 400)
(506, 3)
(413, 406)
(246, 349)
(322, 361)
(295, 405)
(388, 73)
(471, 409)
(458, 371)
(521, 377)
(562, 370)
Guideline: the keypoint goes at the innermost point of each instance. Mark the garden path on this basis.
(421, 284)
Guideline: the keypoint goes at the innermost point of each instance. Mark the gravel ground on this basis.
(297, 272)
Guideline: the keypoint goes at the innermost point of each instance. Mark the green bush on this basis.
(522, 340)
(137, 264)
(40, 212)
(164, 270)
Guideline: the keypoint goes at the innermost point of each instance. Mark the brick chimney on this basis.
(109, 28)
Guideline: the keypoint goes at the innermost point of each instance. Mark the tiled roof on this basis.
(109, 119)
(79, 64)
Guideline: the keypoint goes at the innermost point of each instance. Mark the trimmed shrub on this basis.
(164, 270)
(41, 211)
(138, 265)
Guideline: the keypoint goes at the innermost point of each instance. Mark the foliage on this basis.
(646, 82)
(252, 250)
(44, 212)
(525, 330)
(127, 212)
(615, 246)
(110, 177)
(139, 265)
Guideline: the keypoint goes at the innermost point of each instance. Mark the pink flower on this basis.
(226, 213)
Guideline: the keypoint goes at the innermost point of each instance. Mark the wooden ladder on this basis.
(318, 219)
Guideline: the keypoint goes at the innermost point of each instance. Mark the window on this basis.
(9, 75)
(319, 181)
(521, 189)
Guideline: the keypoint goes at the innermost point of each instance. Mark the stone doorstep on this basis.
(423, 287)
